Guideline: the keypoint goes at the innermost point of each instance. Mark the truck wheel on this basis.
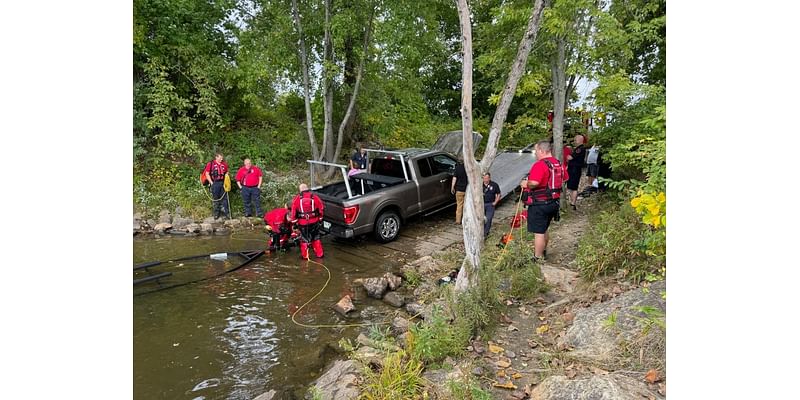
(387, 227)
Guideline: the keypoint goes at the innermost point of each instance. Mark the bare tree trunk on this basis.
(327, 79)
(306, 89)
(473, 207)
(559, 98)
(514, 75)
(356, 86)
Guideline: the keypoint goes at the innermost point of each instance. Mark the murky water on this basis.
(232, 337)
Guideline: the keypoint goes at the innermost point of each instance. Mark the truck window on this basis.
(424, 168)
(442, 163)
(387, 167)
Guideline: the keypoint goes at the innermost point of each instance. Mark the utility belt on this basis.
(544, 202)
(250, 186)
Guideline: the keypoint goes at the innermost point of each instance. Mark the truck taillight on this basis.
(350, 214)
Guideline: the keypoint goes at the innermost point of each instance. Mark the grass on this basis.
(398, 377)
(618, 243)
(435, 338)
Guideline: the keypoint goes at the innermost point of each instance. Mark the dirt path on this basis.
(524, 349)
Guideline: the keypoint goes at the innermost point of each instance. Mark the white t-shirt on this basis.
(592, 155)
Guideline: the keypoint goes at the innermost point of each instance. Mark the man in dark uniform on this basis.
(575, 163)
(215, 173)
(458, 186)
(491, 196)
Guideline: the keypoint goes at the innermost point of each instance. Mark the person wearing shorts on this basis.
(591, 163)
(575, 163)
(545, 206)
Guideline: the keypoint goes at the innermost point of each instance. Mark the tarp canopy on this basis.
(452, 142)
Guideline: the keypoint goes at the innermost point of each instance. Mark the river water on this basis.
(232, 337)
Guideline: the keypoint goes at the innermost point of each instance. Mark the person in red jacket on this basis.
(307, 212)
(279, 227)
(215, 172)
(249, 180)
(544, 182)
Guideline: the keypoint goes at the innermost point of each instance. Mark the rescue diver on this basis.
(279, 227)
(307, 212)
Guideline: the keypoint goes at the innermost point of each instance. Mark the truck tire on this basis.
(387, 227)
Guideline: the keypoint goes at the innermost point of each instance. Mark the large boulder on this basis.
(597, 336)
(376, 287)
(415, 309)
(338, 382)
(267, 396)
(400, 325)
(596, 387)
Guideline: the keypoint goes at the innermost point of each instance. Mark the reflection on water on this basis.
(232, 337)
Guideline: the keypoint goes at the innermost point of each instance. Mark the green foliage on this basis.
(315, 393)
(398, 377)
(436, 338)
(467, 391)
(618, 242)
(515, 264)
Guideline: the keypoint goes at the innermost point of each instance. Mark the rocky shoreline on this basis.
(169, 223)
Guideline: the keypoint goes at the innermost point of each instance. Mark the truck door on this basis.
(443, 167)
(429, 187)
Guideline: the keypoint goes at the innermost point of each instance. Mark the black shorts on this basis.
(591, 170)
(540, 215)
(574, 177)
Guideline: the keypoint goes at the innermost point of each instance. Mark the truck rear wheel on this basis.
(387, 227)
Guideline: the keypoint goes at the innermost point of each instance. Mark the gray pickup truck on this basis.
(400, 184)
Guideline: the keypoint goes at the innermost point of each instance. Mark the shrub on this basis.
(399, 377)
(467, 391)
(617, 242)
(435, 338)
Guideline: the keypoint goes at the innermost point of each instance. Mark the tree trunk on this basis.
(327, 105)
(306, 89)
(473, 207)
(559, 98)
(348, 114)
(514, 75)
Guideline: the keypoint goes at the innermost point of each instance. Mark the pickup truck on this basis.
(400, 184)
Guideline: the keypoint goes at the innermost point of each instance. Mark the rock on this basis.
(399, 325)
(560, 277)
(477, 371)
(338, 382)
(394, 299)
(222, 230)
(178, 211)
(266, 396)
(150, 223)
(164, 217)
(510, 354)
(369, 355)
(402, 339)
(599, 387)
(193, 228)
(344, 306)
(206, 229)
(233, 223)
(425, 265)
(393, 280)
(376, 287)
(162, 227)
(180, 222)
(593, 340)
(423, 289)
(415, 309)
(209, 220)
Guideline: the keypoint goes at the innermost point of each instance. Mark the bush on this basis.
(435, 338)
(515, 264)
(618, 242)
(399, 377)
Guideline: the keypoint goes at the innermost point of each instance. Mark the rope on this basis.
(519, 200)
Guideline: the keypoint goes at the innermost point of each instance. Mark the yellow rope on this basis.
(372, 323)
